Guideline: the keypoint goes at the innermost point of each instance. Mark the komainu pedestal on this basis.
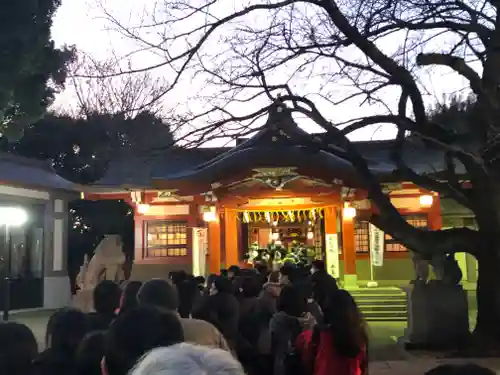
(106, 264)
(438, 316)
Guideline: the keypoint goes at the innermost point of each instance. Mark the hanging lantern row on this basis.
(289, 216)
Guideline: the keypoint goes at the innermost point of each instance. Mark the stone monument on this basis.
(437, 309)
(106, 264)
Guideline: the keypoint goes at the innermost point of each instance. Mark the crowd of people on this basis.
(292, 322)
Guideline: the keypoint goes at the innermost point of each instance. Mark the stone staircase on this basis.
(382, 304)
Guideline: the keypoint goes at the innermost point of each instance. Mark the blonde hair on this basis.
(187, 359)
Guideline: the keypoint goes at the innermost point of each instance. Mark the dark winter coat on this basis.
(223, 311)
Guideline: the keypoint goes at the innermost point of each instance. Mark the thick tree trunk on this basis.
(487, 328)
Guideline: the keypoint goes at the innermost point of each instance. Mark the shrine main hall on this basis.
(204, 209)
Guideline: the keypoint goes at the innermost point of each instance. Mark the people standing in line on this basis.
(253, 348)
(106, 296)
(18, 349)
(65, 330)
(129, 296)
(189, 295)
(339, 346)
(135, 333)
(221, 309)
(90, 353)
(323, 284)
(187, 359)
(287, 324)
(288, 274)
(233, 272)
(161, 294)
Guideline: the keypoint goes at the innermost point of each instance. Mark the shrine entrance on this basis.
(296, 236)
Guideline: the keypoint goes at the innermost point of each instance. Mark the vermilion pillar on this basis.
(435, 220)
(331, 242)
(214, 244)
(349, 253)
(231, 237)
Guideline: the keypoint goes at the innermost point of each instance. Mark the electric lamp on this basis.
(13, 216)
(209, 214)
(143, 208)
(349, 212)
(426, 200)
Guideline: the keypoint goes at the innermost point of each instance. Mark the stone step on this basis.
(381, 304)
(388, 313)
(375, 308)
(380, 299)
(379, 291)
(385, 318)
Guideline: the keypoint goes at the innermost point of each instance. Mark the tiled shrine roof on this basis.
(279, 143)
(140, 171)
(19, 171)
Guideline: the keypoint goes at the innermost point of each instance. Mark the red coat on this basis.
(327, 361)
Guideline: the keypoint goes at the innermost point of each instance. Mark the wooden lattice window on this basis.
(419, 221)
(362, 236)
(166, 239)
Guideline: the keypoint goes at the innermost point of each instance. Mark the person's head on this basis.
(233, 272)
(346, 324)
(250, 287)
(210, 280)
(465, 369)
(199, 280)
(262, 269)
(188, 293)
(89, 354)
(288, 275)
(178, 277)
(318, 266)
(106, 296)
(221, 285)
(292, 301)
(274, 277)
(188, 359)
(129, 296)
(158, 293)
(135, 333)
(65, 330)
(18, 348)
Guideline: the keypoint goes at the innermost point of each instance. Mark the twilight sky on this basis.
(81, 23)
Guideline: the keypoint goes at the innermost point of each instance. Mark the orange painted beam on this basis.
(330, 216)
(104, 196)
(348, 246)
(260, 192)
(214, 246)
(277, 208)
(434, 218)
(231, 237)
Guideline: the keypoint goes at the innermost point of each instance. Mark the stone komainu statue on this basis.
(106, 264)
(446, 269)
(445, 266)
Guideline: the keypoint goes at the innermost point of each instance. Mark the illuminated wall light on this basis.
(426, 200)
(142, 208)
(275, 236)
(13, 216)
(348, 212)
(310, 235)
(209, 215)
